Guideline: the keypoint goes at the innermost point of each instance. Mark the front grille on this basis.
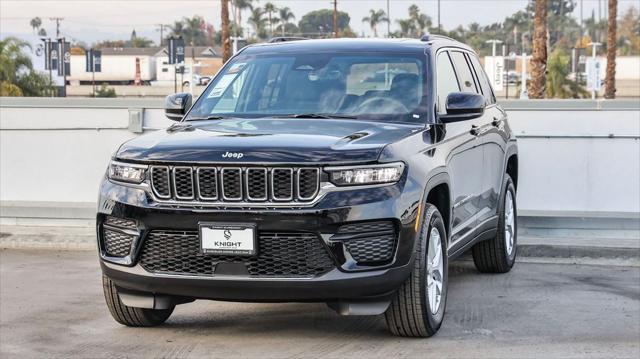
(288, 254)
(369, 242)
(235, 184)
(116, 244)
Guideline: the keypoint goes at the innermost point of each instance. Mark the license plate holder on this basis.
(233, 239)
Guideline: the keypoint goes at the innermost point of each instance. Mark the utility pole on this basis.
(161, 28)
(388, 21)
(439, 26)
(335, 18)
(57, 20)
(226, 41)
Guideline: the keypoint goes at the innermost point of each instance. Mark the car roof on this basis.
(397, 45)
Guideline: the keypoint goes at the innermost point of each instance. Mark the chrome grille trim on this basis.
(247, 180)
(315, 193)
(249, 186)
(175, 187)
(224, 194)
(153, 187)
(273, 188)
(215, 183)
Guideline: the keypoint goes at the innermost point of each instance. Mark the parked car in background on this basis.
(292, 179)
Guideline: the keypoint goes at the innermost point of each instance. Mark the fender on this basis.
(441, 176)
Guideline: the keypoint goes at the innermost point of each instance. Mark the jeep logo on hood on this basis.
(237, 155)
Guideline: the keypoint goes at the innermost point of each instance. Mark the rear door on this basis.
(494, 143)
(465, 154)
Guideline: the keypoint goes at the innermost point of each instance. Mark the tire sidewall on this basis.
(433, 219)
(509, 187)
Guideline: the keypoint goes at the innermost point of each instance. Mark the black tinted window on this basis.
(465, 75)
(484, 80)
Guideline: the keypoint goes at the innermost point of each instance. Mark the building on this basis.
(208, 61)
(120, 66)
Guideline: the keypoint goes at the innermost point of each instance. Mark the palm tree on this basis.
(226, 42)
(539, 58)
(240, 6)
(420, 20)
(375, 18)
(285, 15)
(35, 23)
(269, 8)
(257, 21)
(406, 27)
(610, 79)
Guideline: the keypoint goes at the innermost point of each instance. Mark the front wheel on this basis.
(131, 316)
(498, 255)
(417, 308)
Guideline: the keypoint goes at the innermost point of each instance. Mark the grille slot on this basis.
(308, 183)
(235, 184)
(160, 182)
(117, 244)
(183, 182)
(232, 184)
(207, 183)
(282, 184)
(369, 242)
(256, 184)
(289, 254)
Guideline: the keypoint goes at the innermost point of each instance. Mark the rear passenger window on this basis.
(464, 72)
(446, 79)
(484, 80)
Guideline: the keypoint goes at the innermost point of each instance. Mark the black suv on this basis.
(341, 171)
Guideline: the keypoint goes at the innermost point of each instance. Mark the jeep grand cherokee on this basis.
(341, 171)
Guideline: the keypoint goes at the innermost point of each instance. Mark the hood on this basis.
(266, 140)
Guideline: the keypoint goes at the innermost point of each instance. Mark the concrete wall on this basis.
(577, 158)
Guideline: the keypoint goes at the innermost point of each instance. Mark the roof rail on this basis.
(429, 37)
(286, 39)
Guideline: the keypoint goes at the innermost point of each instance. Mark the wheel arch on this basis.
(438, 193)
(511, 164)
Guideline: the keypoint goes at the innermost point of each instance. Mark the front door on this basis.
(465, 155)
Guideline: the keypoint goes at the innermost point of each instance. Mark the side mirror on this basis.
(177, 105)
(462, 106)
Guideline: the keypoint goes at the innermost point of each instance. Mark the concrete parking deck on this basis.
(51, 305)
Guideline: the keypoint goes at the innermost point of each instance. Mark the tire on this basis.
(410, 313)
(130, 316)
(498, 255)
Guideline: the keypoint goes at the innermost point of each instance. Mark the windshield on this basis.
(363, 86)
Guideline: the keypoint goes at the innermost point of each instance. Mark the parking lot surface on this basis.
(51, 305)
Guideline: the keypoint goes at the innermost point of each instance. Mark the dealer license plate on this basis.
(228, 238)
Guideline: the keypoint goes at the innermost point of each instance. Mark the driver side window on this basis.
(447, 82)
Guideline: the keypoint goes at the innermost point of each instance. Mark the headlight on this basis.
(127, 172)
(363, 175)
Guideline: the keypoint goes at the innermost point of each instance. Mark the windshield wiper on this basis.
(213, 117)
(319, 115)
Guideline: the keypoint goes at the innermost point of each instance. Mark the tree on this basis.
(375, 18)
(558, 83)
(629, 32)
(420, 20)
(35, 23)
(269, 8)
(610, 78)
(539, 58)
(407, 27)
(321, 21)
(42, 32)
(285, 15)
(105, 91)
(136, 41)
(226, 40)
(258, 22)
(240, 6)
(17, 76)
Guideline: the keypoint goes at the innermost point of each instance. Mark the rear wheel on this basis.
(131, 316)
(498, 255)
(417, 308)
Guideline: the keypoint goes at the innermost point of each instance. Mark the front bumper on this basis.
(348, 280)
